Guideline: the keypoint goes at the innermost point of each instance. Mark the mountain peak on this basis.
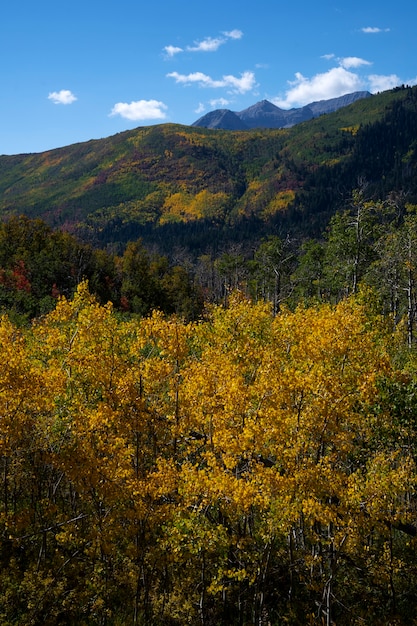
(221, 118)
(262, 105)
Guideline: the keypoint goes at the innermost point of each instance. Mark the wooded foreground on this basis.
(244, 469)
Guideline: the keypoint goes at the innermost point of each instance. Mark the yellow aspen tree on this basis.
(29, 504)
(84, 352)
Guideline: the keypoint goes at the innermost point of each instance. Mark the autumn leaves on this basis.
(228, 471)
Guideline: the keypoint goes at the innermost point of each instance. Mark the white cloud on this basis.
(207, 45)
(332, 84)
(195, 77)
(328, 57)
(219, 102)
(335, 82)
(65, 96)
(140, 110)
(172, 50)
(382, 83)
(349, 62)
(234, 34)
(245, 83)
(374, 29)
(200, 109)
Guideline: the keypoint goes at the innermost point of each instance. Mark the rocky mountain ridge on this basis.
(265, 114)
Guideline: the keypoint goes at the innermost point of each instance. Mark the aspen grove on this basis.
(248, 468)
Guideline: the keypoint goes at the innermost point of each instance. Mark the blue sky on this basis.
(77, 70)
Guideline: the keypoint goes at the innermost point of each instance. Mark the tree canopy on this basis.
(245, 468)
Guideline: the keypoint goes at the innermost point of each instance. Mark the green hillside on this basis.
(167, 176)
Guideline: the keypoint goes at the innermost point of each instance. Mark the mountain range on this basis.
(265, 114)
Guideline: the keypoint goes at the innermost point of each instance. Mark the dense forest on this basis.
(208, 383)
(368, 242)
(248, 468)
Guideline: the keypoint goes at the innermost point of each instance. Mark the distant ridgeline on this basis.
(264, 114)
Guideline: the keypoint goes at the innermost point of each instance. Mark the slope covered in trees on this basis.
(190, 185)
(246, 469)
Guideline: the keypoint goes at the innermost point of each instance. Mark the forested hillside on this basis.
(200, 189)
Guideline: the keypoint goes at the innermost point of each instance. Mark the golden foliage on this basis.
(172, 465)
